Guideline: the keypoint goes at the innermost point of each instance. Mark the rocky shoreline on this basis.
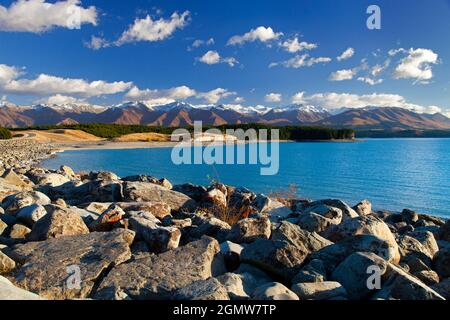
(68, 235)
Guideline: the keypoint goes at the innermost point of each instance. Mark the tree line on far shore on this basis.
(109, 131)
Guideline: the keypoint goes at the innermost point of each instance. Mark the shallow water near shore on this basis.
(392, 173)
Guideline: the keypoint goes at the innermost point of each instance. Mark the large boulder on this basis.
(159, 276)
(334, 254)
(143, 191)
(210, 289)
(195, 192)
(6, 263)
(160, 210)
(327, 290)
(234, 285)
(347, 212)
(401, 285)
(10, 292)
(31, 214)
(369, 225)
(314, 222)
(334, 215)
(427, 240)
(279, 258)
(51, 268)
(52, 179)
(442, 262)
(19, 231)
(355, 273)
(274, 291)
(159, 239)
(108, 220)
(248, 230)
(363, 208)
(60, 222)
(302, 239)
(13, 203)
(314, 271)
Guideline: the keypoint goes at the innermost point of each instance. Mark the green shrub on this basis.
(5, 134)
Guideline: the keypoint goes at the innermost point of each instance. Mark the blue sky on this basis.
(136, 60)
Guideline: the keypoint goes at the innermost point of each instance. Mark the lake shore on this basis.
(141, 237)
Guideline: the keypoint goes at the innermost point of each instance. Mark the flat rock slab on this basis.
(10, 292)
(144, 191)
(49, 267)
(158, 277)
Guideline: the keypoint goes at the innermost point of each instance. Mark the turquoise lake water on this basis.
(392, 173)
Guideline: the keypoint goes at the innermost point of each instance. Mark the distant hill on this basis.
(183, 114)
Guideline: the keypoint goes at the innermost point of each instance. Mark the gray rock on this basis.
(334, 215)
(334, 254)
(142, 191)
(212, 227)
(52, 179)
(60, 222)
(160, 210)
(428, 277)
(427, 240)
(210, 289)
(319, 290)
(159, 239)
(279, 258)
(403, 286)
(442, 262)
(274, 291)
(355, 272)
(19, 231)
(234, 285)
(159, 276)
(363, 208)
(314, 222)
(195, 192)
(409, 216)
(6, 263)
(248, 230)
(314, 271)
(14, 203)
(302, 239)
(108, 220)
(10, 292)
(47, 266)
(31, 214)
(369, 225)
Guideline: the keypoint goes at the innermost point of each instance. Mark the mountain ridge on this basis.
(183, 114)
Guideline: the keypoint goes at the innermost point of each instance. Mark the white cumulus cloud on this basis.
(213, 57)
(158, 97)
(294, 45)
(263, 34)
(347, 54)
(273, 97)
(12, 83)
(345, 74)
(416, 65)
(151, 30)
(38, 16)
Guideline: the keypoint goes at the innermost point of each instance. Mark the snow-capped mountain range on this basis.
(182, 114)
